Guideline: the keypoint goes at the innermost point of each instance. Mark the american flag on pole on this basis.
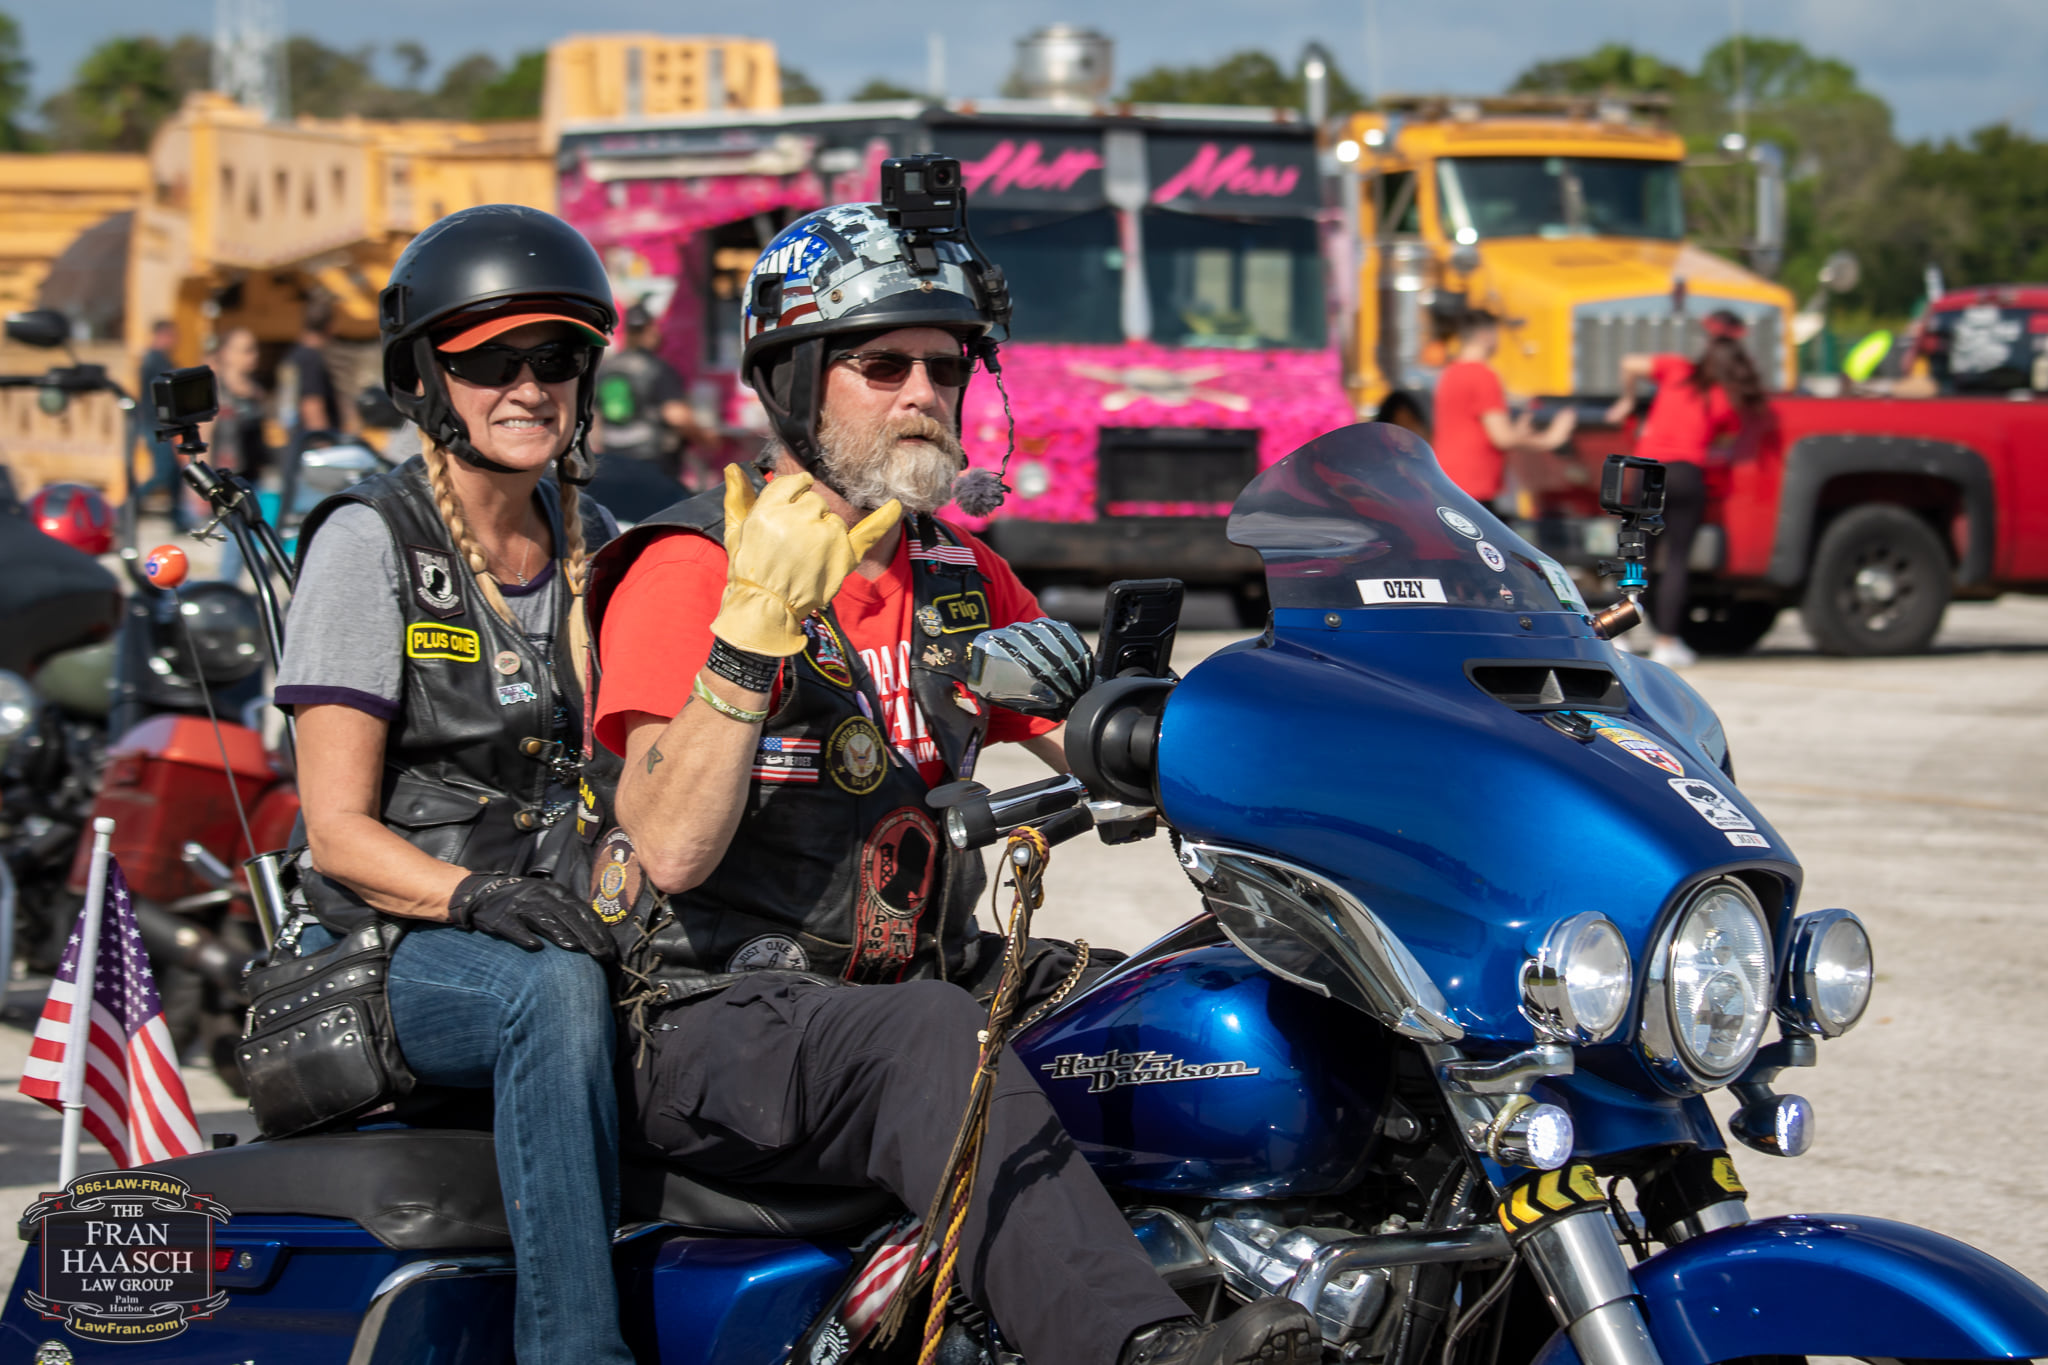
(135, 1101)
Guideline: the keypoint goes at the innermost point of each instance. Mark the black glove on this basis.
(1038, 667)
(525, 910)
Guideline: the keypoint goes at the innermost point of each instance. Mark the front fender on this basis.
(1822, 1284)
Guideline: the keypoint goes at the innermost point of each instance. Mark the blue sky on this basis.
(1944, 68)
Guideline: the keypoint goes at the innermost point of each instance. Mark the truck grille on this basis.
(1602, 333)
(1173, 471)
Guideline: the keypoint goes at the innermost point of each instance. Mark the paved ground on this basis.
(1915, 791)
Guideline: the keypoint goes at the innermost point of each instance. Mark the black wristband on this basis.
(754, 672)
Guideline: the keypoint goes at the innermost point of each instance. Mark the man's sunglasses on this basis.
(495, 366)
(887, 369)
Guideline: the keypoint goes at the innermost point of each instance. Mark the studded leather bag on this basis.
(319, 1049)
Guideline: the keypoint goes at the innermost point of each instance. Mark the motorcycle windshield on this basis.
(1365, 517)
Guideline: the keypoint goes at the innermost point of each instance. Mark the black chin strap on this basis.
(433, 414)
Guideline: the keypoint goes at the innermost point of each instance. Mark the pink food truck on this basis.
(1170, 266)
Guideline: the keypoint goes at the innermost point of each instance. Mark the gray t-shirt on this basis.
(345, 632)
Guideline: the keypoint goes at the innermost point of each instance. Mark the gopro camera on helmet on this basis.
(924, 199)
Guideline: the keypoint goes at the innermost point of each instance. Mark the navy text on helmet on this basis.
(860, 268)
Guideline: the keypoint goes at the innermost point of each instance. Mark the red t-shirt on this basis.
(1684, 421)
(1465, 392)
(657, 634)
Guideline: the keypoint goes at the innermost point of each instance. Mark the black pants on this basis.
(1685, 504)
(796, 1080)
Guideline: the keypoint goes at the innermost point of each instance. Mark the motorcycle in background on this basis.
(145, 708)
(1483, 920)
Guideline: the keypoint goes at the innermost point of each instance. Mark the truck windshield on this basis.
(1560, 196)
(1065, 272)
(1246, 284)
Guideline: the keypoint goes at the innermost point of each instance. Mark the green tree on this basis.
(14, 71)
(1611, 67)
(797, 88)
(329, 82)
(516, 92)
(1247, 77)
(121, 91)
(882, 89)
(462, 84)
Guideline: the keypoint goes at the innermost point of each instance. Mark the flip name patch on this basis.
(424, 640)
(961, 611)
(1399, 592)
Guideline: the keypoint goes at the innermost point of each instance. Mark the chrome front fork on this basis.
(1581, 1270)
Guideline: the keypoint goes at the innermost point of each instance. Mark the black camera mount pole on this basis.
(1631, 488)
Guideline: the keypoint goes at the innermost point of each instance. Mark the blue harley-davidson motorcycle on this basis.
(1483, 918)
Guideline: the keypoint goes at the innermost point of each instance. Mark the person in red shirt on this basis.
(1473, 431)
(784, 675)
(1703, 413)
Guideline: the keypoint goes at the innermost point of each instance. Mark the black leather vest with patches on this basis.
(838, 867)
(479, 736)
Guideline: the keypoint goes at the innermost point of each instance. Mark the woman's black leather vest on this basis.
(475, 744)
(838, 867)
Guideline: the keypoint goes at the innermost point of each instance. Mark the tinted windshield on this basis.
(1250, 284)
(1065, 272)
(1560, 196)
(1364, 517)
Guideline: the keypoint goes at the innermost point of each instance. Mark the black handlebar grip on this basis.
(1059, 828)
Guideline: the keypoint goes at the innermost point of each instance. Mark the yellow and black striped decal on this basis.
(1723, 1174)
(1550, 1195)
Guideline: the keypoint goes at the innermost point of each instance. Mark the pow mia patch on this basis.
(769, 953)
(827, 652)
(857, 756)
(434, 583)
(615, 880)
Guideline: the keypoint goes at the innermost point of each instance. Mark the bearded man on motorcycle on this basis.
(784, 676)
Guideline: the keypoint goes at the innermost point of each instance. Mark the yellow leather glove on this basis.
(787, 554)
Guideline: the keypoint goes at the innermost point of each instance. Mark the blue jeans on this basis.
(536, 1028)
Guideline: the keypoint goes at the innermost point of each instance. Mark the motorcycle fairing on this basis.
(1821, 1284)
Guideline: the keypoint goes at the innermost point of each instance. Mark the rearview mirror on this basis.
(42, 327)
(1840, 272)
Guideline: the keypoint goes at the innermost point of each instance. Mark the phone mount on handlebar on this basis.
(1631, 488)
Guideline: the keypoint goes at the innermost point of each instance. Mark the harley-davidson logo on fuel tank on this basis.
(1108, 1070)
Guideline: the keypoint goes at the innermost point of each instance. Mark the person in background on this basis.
(642, 400)
(236, 436)
(1474, 432)
(306, 377)
(1706, 412)
(163, 468)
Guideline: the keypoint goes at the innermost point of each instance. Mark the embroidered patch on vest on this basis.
(424, 640)
(857, 756)
(827, 652)
(434, 581)
(898, 866)
(511, 694)
(769, 953)
(959, 612)
(615, 878)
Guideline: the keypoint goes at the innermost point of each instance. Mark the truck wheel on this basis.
(1879, 585)
(1727, 627)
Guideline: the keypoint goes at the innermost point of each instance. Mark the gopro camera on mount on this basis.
(924, 198)
(181, 400)
(1631, 488)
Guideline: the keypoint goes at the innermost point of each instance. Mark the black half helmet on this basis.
(503, 259)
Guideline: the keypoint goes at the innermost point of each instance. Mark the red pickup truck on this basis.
(1870, 514)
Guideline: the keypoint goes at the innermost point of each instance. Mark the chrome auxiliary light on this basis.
(1577, 986)
(1828, 973)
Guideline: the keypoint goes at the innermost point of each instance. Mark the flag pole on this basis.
(71, 1090)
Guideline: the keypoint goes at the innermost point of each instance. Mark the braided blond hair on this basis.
(575, 565)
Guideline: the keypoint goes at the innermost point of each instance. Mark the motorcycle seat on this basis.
(433, 1189)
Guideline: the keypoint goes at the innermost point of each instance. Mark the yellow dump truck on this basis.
(1565, 218)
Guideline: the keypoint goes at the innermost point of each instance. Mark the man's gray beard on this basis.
(871, 467)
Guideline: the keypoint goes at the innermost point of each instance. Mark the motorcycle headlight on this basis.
(1714, 976)
(1576, 987)
(17, 708)
(1828, 973)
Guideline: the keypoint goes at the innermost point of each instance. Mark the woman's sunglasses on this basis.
(887, 369)
(494, 366)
